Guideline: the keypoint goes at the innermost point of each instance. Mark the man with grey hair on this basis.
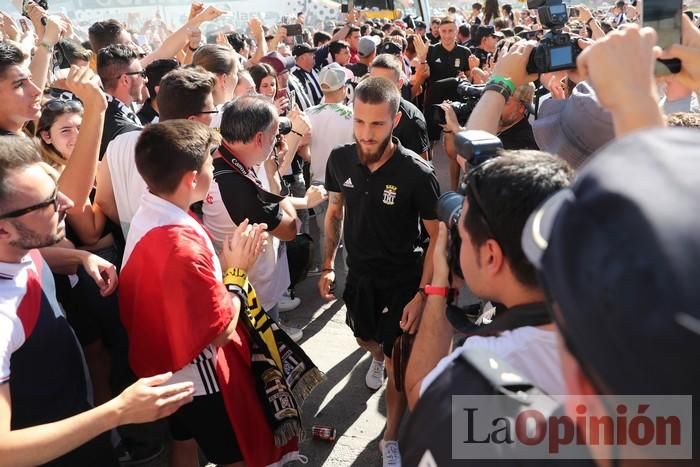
(411, 131)
(382, 191)
(242, 190)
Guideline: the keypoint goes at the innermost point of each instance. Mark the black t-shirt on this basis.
(383, 208)
(412, 131)
(147, 112)
(481, 54)
(358, 69)
(118, 119)
(519, 136)
(432, 39)
(444, 64)
(241, 198)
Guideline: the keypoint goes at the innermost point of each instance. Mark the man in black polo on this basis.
(446, 60)
(381, 190)
(486, 37)
(411, 131)
(123, 79)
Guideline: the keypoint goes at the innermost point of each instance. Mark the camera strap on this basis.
(238, 167)
(508, 319)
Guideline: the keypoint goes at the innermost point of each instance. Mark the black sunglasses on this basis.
(215, 111)
(53, 200)
(141, 73)
(62, 105)
(471, 186)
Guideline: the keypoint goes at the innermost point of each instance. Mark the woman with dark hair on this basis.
(491, 12)
(265, 79)
(58, 130)
(508, 15)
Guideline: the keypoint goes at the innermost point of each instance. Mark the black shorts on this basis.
(206, 421)
(374, 308)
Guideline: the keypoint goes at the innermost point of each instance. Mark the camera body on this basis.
(464, 97)
(557, 50)
(285, 126)
(477, 147)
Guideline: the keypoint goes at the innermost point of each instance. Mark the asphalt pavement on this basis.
(343, 401)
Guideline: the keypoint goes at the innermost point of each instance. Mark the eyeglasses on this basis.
(471, 186)
(141, 73)
(53, 200)
(63, 105)
(212, 112)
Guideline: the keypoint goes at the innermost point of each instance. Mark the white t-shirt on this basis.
(529, 349)
(331, 126)
(270, 273)
(127, 184)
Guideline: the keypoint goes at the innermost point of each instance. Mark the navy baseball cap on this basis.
(618, 255)
(390, 48)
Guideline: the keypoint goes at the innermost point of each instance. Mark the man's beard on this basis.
(30, 239)
(369, 157)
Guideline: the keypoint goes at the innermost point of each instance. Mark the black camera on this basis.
(464, 97)
(477, 147)
(285, 126)
(557, 50)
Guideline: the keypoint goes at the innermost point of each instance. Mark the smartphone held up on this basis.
(664, 16)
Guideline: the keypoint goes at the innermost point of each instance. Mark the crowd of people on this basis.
(163, 190)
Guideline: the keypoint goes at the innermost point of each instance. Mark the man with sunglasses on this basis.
(183, 93)
(123, 79)
(42, 370)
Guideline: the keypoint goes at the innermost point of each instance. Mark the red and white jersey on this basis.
(171, 297)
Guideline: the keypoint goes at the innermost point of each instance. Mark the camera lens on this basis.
(449, 208)
(285, 126)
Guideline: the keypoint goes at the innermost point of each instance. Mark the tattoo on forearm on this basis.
(334, 227)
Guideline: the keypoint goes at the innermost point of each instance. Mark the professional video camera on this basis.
(477, 147)
(557, 50)
(464, 97)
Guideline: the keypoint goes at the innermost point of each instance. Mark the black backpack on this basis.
(427, 439)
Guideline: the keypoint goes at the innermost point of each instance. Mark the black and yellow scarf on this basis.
(284, 374)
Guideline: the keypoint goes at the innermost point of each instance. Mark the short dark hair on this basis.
(245, 117)
(376, 90)
(183, 92)
(112, 61)
(620, 4)
(352, 29)
(510, 187)
(464, 30)
(261, 71)
(388, 62)
(166, 151)
(155, 72)
(336, 46)
(16, 152)
(476, 6)
(104, 33)
(73, 51)
(236, 40)
(10, 55)
(321, 36)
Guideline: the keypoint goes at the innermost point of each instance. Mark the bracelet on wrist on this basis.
(502, 81)
(46, 46)
(500, 89)
(192, 49)
(297, 133)
(327, 270)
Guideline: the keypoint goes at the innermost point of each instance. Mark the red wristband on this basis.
(434, 290)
